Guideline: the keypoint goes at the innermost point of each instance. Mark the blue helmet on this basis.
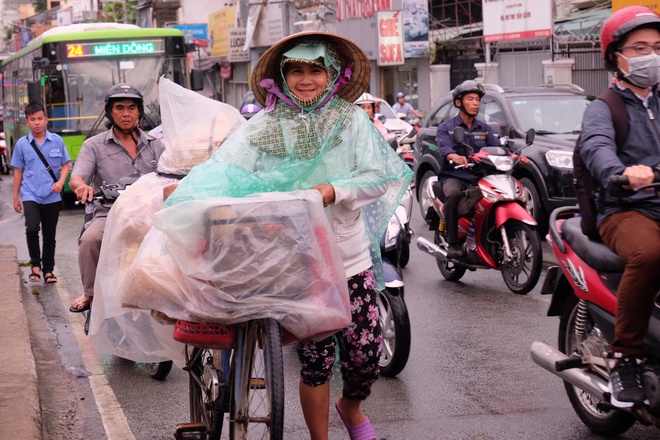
(400, 95)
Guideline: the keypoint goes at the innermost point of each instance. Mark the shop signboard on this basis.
(355, 9)
(194, 33)
(416, 28)
(651, 4)
(390, 38)
(237, 54)
(508, 20)
(265, 26)
(219, 23)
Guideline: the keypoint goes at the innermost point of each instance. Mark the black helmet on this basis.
(122, 91)
(468, 86)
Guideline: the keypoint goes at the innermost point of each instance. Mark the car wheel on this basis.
(425, 197)
(534, 205)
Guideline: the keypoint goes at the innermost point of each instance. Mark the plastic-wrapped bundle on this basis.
(228, 260)
(129, 333)
(194, 126)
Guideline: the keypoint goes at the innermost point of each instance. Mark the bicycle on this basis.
(234, 369)
(250, 253)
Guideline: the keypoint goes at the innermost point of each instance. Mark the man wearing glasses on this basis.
(628, 221)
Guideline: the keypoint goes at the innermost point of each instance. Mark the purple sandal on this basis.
(363, 431)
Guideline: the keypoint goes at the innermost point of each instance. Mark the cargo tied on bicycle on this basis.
(278, 232)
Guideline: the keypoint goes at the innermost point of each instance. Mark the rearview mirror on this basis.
(458, 136)
(529, 137)
(34, 91)
(196, 80)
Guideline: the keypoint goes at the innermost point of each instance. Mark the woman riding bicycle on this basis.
(311, 135)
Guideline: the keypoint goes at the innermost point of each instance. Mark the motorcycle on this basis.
(4, 162)
(106, 196)
(504, 236)
(393, 313)
(583, 288)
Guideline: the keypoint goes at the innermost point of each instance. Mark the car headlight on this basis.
(560, 159)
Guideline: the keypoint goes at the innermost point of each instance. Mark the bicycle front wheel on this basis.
(257, 403)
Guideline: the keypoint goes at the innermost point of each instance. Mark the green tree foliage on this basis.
(40, 6)
(114, 12)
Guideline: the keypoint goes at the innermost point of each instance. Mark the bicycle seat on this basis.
(594, 253)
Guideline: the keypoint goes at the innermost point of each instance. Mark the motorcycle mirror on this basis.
(458, 136)
(529, 137)
(381, 117)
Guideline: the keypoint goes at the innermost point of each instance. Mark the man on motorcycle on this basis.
(401, 106)
(629, 222)
(452, 182)
(121, 151)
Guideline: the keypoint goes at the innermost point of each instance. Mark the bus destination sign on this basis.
(114, 48)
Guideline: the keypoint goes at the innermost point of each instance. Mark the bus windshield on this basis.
(75, 92)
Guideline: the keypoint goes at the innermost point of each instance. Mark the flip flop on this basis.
(363, 431)
(50, 278)
(79, 305)
(34, 276)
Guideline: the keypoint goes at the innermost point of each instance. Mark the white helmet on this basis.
(365, 98)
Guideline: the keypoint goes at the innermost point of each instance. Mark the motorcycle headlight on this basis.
(502, 163)
(560, 159)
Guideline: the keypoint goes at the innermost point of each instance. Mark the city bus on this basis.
(70, 68)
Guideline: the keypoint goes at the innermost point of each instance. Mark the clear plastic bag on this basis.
(228, 260)
(130, 333)
(193, 126)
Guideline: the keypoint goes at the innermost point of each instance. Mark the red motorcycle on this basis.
(583, 289)
(504, 236)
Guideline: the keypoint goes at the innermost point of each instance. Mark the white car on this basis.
(394, 124)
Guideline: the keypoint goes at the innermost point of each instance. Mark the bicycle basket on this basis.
(214, 336)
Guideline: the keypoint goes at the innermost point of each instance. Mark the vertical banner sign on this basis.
(651, 4)
(416, 28)
(236, 44)
(390, 38)
(219, 23)
(507, 20)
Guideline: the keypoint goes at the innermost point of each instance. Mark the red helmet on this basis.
(621, 23)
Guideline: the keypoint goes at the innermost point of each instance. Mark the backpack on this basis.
(586, 187)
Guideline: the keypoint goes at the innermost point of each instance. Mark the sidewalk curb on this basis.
(20, 409)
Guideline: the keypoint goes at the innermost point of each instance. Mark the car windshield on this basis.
(550, 114)
(386, 110)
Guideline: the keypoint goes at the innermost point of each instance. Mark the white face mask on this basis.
(644, 70)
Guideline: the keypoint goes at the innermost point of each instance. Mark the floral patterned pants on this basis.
(360, 344)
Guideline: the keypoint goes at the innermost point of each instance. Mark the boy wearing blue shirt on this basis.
(40, 188)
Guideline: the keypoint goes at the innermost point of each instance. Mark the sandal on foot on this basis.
(363, 431)
(50, 278)
(34, 276)
(80, 305)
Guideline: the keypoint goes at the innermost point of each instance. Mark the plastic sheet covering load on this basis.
(229, 260)
(194, 127)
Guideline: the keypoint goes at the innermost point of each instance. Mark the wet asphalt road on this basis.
(469, 376)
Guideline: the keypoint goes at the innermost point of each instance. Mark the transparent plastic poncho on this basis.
(287, 150)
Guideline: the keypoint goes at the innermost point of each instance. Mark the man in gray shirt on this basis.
(121, 151)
